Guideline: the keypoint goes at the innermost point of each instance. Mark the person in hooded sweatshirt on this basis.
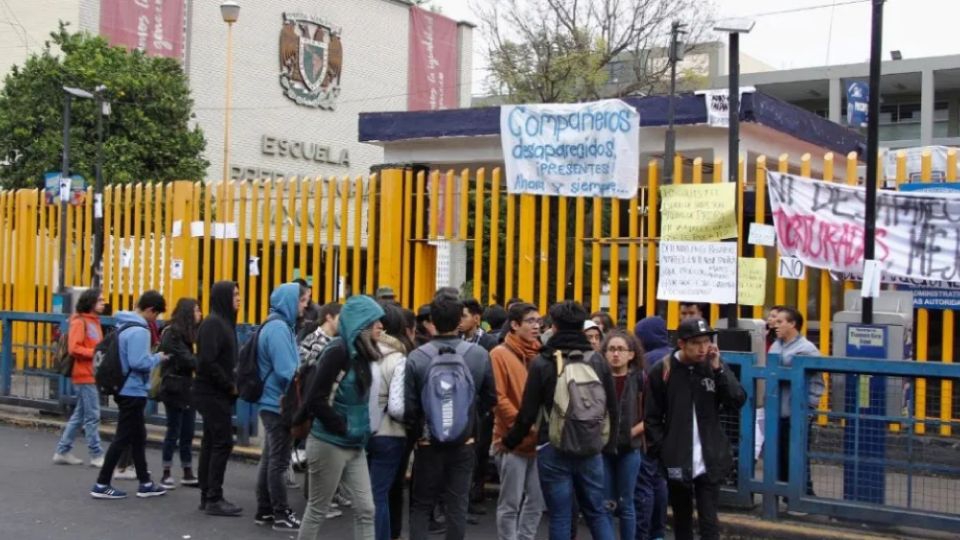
(651, 494)
(277, 361)
(214, 393)
(137, 363)
(340, 430)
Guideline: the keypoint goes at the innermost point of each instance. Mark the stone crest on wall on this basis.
(311, 60)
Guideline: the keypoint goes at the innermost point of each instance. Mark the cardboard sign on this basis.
(698, 271)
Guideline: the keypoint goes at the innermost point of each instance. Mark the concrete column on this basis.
(465, 64)
(836, 100)
(926, 107)
(953, 121)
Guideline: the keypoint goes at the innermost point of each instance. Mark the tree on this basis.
(550, 51)
(147, 136)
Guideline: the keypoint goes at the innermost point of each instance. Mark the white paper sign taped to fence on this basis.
(176, 269)
(579, 149)
(698, 271)
(822, 224)
(791, 268)
(762, 235)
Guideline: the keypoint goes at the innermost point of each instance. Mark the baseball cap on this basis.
(385, 293)
(694, 328)
(590, 325)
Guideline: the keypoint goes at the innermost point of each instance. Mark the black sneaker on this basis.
(222, 507)
(286, 522)
(436, 527)
(262, 517)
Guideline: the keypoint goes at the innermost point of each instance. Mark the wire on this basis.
(802, 9)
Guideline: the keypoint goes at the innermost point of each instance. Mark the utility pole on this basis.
(103, 108)
(873, 143)
(675, 55)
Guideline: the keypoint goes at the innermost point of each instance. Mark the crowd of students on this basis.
(577, 416)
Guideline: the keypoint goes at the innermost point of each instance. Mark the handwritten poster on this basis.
(700, 212)
(822, 224)
(575, 150)
(698, 271)
(751, 281)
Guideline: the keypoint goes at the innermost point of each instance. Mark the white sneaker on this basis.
(97, 462)
(125, 474)
(334, 513)
(66, 459)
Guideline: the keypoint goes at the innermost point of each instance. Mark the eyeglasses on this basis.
(618, 349)
(536, 321)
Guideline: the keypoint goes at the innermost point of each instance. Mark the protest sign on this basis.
(751, 281)
(791, 268)
(698, 212)
(698, 271)
(822, 224)
(578, 150)
(762, 235)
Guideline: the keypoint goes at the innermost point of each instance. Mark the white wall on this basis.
(375, 38)
(26, 24)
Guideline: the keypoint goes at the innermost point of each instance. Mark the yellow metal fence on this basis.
(351, 235)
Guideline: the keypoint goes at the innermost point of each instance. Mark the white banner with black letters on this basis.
(822, 224)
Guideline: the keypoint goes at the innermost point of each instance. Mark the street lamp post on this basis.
(103, 109)
(65, 185)
(873, 119)
(734, 28)
(230, 11)
(674, 56)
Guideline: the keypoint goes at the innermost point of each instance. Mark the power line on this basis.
(802, 9)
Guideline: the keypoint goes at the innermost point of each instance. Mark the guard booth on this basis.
(865, 398)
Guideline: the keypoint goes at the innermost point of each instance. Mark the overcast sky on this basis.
(815, 37)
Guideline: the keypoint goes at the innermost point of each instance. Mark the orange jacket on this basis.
(510, 362)
(85, 333)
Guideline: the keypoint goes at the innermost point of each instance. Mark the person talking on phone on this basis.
(682, 419)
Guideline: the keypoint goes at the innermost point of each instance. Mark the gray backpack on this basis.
(579, 423)
(448, 394)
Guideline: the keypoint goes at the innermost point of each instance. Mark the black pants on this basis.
(783, 450)
(217, 412)
(484, 440)
(707, 494)
(132, 434)
(396, 491)
(441, 473)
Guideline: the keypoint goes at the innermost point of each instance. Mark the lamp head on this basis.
(230, 11)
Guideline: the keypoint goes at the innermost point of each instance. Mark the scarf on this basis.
(526, 350)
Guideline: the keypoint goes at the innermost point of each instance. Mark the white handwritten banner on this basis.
(822, 224)
(580, 150)
(698, 272)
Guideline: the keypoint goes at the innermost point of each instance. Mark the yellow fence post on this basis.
(653, 198)
(923, 323)
(183, 206)
(946, 388)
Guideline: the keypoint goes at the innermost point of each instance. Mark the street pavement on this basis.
(40, 500)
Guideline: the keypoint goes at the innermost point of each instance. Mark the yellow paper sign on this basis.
(698, 212)
(751, 281)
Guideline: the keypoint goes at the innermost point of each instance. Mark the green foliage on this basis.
(146, 138)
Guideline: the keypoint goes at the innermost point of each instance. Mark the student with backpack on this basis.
(385, 450)
(338, 405)
(624, 354)
(214, 394)
(683, 430)
(176, 389)
(520, 504)
(83, 335)
(566, 375)
(448, 384)
(277, 361)
(129, 349)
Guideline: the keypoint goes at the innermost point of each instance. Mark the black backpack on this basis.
(249, 383)
(107, 365)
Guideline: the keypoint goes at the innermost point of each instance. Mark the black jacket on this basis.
(217, 345)
(177, 372)
(631, 412)
(669, 412)
(542, 383)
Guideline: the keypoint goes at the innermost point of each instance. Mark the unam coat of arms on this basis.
(311, 60)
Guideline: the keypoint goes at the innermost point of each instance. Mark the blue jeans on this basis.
(651, 500)
(384, 455)
(619, 482)
(561, 478)
(180, 426)
(86, 413)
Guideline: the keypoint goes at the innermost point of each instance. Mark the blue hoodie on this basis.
(135, 355)
(652, 333)
(277, 356)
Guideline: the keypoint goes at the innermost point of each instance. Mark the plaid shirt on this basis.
(312, 345)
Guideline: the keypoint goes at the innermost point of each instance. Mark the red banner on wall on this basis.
(153, 26)
(434, 54)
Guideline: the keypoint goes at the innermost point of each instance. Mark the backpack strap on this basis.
(463, 348)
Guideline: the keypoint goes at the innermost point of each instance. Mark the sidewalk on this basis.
(735, 525)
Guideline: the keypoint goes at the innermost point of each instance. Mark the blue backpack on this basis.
(448, 394)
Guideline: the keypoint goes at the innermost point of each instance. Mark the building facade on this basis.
(302, 71)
